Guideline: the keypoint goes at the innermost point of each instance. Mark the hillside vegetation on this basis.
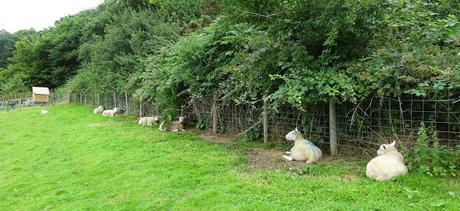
(286, 52)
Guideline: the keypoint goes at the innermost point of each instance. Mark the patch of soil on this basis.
(271, 159)
(216, 139)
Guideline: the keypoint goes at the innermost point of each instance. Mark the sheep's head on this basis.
(386, 147)
(293, 135)
(181, 119)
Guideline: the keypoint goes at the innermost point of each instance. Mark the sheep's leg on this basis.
(309, 161)
(287, 157)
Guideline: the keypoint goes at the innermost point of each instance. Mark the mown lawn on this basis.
(72, 159)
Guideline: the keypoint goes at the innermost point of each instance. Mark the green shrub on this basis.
(431, 158)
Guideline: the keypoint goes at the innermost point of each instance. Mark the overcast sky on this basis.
(39, 14)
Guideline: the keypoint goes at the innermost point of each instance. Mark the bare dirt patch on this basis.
(271, 159)
(217, 139)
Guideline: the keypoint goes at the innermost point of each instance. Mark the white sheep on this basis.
(44, 112)
(303, 150)
(149, 121)
(98, 110)
(174, 126)
(388, 164)
(110, 112)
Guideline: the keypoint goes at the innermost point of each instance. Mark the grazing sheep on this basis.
(388, 164)
(149, 121)
(98, 110)
(303, 150)
(44, 112)
(110, 112)
(174, 126)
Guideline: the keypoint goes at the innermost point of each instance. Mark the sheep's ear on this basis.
(297, 130)
(393, 144)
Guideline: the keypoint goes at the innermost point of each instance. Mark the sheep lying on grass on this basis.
(110, 112)
(149, 121)
(174, 126)
(388, 164)
(98, 110)
(303, 150)
(43, 112)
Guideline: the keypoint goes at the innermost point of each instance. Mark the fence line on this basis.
(361, 125)
(21, 100)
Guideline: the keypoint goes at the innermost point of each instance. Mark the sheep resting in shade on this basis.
(110, 112)
(149, 121)
(388, 164)
(174, 125)
(98, 110)
(303, 150)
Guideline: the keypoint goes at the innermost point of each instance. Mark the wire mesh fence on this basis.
(361, 125)
(23, 100)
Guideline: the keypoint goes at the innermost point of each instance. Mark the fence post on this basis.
(140, 107)
(214, 116)
(265, 120)
(126, 103)
(98, 100)
(114, 100)
(332, 128)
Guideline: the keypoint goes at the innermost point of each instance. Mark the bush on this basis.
(431, 158)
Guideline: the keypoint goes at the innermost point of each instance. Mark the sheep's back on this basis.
(385, 167)
(306, 150)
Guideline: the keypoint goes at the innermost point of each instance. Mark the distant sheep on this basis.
(148, 121)
(174, 126)
(43, 112)
(303, 150)
(388, 164)
(110, 112)
(98, 110)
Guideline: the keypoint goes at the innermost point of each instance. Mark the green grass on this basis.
(72, 159)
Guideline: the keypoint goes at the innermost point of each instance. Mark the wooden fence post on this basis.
(98, 100)
(114, 100)
(214, 116)
(265, 120)
(126, 103)
(140, 107)
(332, 128)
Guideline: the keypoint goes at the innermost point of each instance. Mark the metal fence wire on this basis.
(361, 125)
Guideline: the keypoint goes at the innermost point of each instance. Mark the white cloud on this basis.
(39, 14)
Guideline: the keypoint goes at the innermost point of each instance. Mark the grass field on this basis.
(72, 159)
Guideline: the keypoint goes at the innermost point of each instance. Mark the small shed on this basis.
(40, 94)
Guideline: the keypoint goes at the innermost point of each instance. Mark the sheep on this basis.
(174, 126)
(149, 121)
(303, 150)
(110, 112)
(98, 110)
(388, 164)
(44, 112)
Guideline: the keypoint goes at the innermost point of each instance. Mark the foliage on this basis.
(431, 158)
(418, 49)
(7, 41)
